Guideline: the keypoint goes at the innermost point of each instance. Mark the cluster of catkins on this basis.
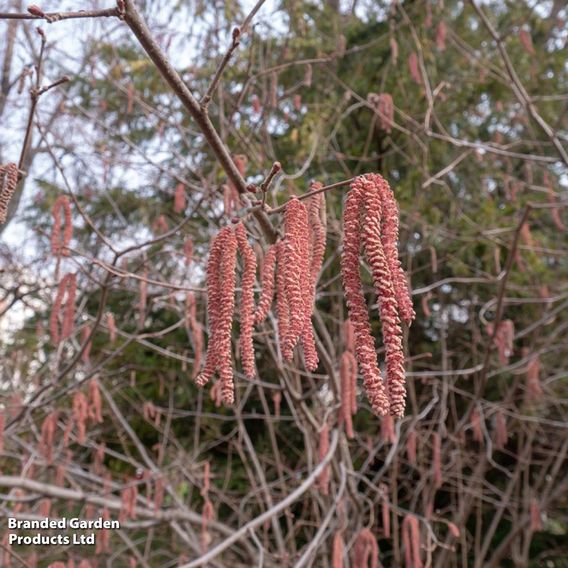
(370, 220)
(290, 268)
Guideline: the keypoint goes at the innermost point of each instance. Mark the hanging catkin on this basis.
(389, 237)
(296, 271)
(338, 550)
(411, 447)
(267, 283)
(323, 448)
(413, 68)
(385, 513)
(67, 290)
(95, 401)
(179, 198)
(60, 240)
(220, 308)
(348, 381)
(437, 459)
(196, 331)
(48, 428)
(317, 238)
(411, 542)
(501, 435)
(365, 550)
(80, 415)
(384, 284)
(111, 323)
(282, 307)
(247, 300)
(8, 183)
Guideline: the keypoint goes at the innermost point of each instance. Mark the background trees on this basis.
(476, 153)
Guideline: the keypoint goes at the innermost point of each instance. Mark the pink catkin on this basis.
(526, 41)
(383, 279)
(385, 514)
(338, 550)
(501, 435)
(357, 307)
(394, 50)
(179, 198)
(196, 332)
(533, 389)
(476, 425)
(95, 402)
(437, 459)
(8, 183)
(267, 283)
(348, 378)
(386, 112)
(247, 301)
(81, 415)
(388, 434)
(188, 251)
(411, 542)
(413, 68)
(296, 271)
(441, 36)
(503, 339)
(365, 550)
(111, 323)
(158, 493)
(207, 515)
(389, 237)
(536, 517)
(282, 306)
(277, 401)
(317, 240)
(67, 290)
(220, 306)
(48, 428)
(323, 448)
(59, 241)
(256, 106)
(552, 199)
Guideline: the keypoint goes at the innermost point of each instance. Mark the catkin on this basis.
(338, 550)
(267, 283)
(348, 381)
(365, 550)
(66, 290)
(411, 447)
(8, 183)
(411, 542)
(247, 301)
(81, 415)
(437, 459)
(441, 36)
(323, 448)
(501, 435)
(60, 241)
(296, 271)
(413, 67)
(220, 307)
(179, 198)
(317, 239)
